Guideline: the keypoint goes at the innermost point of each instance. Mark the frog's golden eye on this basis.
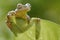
(19, 6)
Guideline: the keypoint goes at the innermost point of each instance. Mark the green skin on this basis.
(22, 23)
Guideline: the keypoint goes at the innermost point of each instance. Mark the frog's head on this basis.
(26, 7)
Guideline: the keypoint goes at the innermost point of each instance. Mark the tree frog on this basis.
(19, 21)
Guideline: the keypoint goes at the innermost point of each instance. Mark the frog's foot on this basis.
(8, 24)
(37, 20)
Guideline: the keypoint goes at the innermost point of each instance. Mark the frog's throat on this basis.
(21, 14)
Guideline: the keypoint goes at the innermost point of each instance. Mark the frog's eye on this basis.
(19, 6)
(28, 5)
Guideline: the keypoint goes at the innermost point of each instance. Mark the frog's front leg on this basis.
(8, 22)
(10, 18)
(35, 21)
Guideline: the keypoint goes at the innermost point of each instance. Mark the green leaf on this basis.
(49, 31)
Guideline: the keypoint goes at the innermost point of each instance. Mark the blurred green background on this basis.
(45, 9)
